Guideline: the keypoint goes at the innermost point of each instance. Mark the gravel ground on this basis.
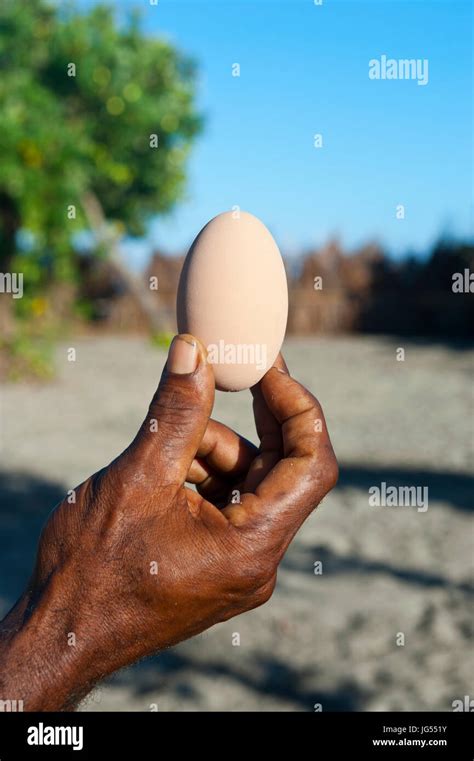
(331, 639)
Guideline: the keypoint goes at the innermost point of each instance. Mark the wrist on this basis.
(43, 662)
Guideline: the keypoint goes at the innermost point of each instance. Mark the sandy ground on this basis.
(330, 639)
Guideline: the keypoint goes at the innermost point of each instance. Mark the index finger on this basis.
(269, 433)
(308, 470)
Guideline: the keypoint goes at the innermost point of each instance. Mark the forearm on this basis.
(40, 662)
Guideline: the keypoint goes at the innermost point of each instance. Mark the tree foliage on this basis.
(80, 98)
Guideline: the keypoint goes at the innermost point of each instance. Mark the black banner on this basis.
(102, 735)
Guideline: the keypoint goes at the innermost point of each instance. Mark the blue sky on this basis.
(304, 70)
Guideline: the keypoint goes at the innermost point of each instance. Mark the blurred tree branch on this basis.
(109, 238)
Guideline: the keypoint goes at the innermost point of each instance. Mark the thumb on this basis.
(179, 412)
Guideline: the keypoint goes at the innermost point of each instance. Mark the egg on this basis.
(233, 296)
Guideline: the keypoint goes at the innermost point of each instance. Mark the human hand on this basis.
(139, 561)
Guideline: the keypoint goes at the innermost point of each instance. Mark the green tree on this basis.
(81, 101)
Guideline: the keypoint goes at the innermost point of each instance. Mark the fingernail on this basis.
(183, 356)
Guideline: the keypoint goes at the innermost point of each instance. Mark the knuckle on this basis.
(264, 592)
(116, 487)
(323, 471)
(172, 399)
(253, 580)
(331, 472)
(254, 574)
(316, 405)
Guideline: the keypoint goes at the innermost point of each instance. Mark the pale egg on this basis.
(233, 296)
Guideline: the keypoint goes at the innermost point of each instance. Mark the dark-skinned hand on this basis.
(139, 561)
